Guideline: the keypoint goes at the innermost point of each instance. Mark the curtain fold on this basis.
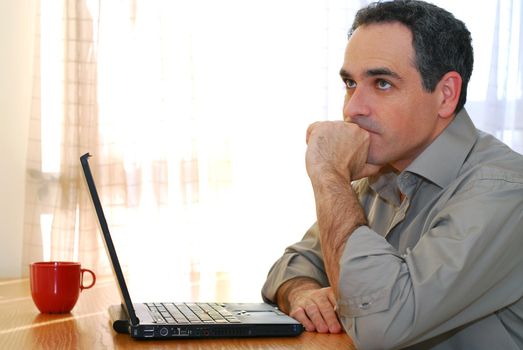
(58, 209)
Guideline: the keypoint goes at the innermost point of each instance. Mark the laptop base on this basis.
(119, 319)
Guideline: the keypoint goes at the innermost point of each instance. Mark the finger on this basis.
(309, 131)
(331, 319)
(315, 315)
(300, 316)
(328, 310)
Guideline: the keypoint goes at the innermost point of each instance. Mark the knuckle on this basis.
(322, 329)
(312, 311)
(296, 313)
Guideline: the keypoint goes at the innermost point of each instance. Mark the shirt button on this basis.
(365, 306)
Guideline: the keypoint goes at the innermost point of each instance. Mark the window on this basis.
(196, 114)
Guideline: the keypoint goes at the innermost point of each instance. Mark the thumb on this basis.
(366, 171)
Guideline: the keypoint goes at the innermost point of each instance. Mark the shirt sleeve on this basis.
(467, 265)
(303, 259)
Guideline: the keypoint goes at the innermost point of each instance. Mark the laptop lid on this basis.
(124, 292)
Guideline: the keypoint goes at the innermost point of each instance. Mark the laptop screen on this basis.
(124, 292)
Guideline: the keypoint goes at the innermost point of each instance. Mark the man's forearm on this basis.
(336, 154)
(339, 213)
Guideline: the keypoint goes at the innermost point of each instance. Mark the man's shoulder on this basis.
(491, 159)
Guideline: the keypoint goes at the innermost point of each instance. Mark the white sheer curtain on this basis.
(198, 130)
(209, 102)
(495, 99)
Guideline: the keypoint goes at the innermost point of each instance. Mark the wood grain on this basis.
(22, 326)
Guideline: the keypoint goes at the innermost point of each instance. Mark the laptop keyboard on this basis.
(187, 313)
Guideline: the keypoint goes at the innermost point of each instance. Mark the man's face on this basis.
(385, 95)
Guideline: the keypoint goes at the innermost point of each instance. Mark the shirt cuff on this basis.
(369, 269)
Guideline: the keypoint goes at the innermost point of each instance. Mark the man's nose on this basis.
(357, 104)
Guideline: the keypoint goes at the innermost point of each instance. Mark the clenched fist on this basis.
(337, 148)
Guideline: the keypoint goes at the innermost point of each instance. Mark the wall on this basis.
(16, 51)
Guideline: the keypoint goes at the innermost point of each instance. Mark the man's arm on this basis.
(339, 214)
(337, 152)
(297, 282)
(294, 280)
(336, 155)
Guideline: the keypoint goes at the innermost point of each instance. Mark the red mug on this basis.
(56, 285)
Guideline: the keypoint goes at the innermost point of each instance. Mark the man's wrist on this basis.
(289, 288)
(328, 176)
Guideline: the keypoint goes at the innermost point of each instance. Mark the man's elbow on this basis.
(373, 335)
(366, 341)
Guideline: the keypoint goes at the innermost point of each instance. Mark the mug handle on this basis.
(82, 287)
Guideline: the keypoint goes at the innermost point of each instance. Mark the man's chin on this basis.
(375, 160)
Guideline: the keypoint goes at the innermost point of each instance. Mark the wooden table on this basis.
(88, 326)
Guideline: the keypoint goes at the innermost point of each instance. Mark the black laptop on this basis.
(161, 320)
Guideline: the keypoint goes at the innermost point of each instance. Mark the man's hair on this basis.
(441, 42)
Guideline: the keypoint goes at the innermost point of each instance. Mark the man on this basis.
(419, 215)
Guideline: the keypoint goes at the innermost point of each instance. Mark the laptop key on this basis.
(182, 321)
(157, 317)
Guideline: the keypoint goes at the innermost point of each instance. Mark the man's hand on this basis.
(311, 305)
(315, 310)
(338, 147)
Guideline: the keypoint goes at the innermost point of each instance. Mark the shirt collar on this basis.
(384, 184)
(442, 160)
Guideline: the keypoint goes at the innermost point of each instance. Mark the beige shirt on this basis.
(444, 268)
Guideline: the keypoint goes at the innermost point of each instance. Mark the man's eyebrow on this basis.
(344, 74)
(382, 71)
(372, 72)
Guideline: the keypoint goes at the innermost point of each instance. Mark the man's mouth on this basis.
(369, 126)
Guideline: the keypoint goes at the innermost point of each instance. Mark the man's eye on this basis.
(383, 84)
(350, 84)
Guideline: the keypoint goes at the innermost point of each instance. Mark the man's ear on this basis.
(449, 88)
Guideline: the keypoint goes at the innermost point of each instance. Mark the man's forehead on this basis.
(384, 46)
